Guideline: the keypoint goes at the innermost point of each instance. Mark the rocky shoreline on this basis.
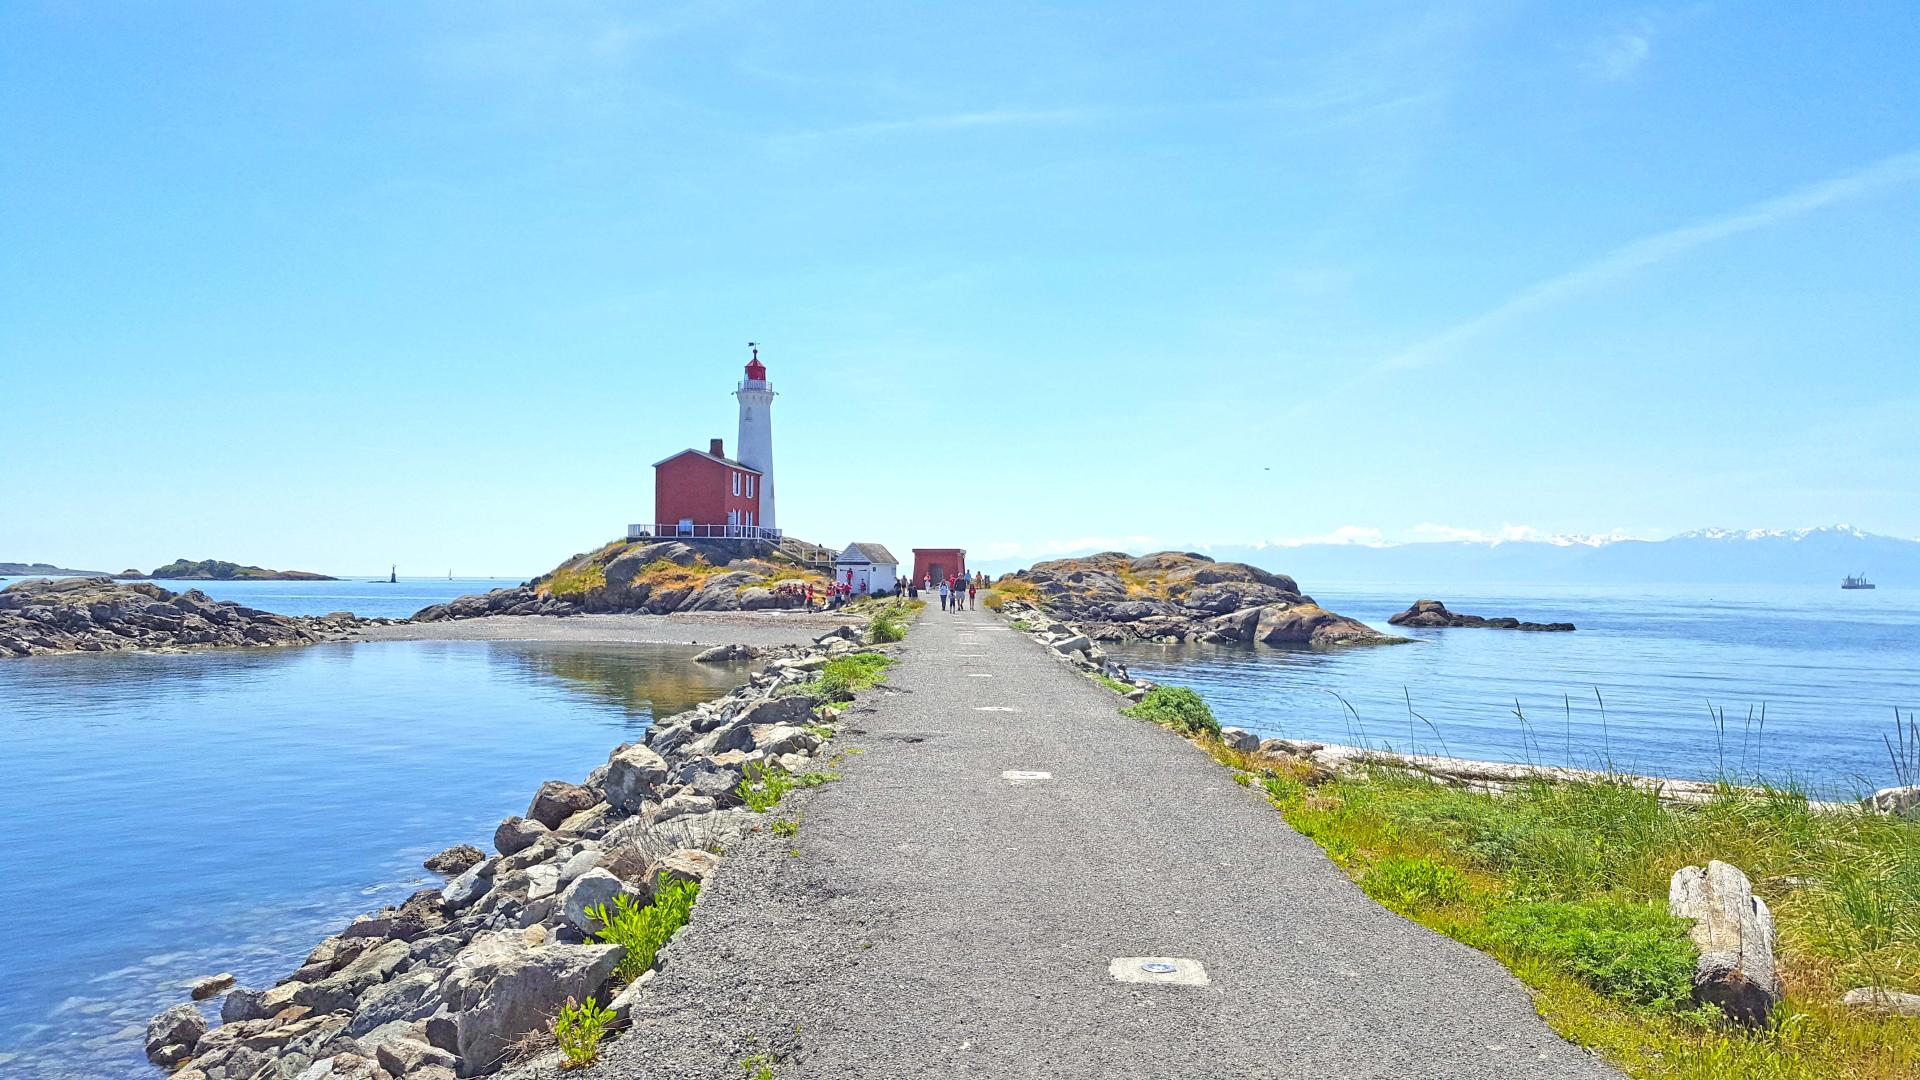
(1433, 613)
(1172, 596)
(98, 614)
(464, 979)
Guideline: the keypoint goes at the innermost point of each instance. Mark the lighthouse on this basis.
(755, 445)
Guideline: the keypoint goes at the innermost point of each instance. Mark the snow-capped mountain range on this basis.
(1818, 556)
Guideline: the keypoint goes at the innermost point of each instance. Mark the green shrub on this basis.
(844, 675)
(1178, 708)
(643, 930)
(1633, 952)
(1407, 884)
(763, 786)
(578, 1030)
(889, 624)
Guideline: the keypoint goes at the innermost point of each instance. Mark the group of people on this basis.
(958, 593)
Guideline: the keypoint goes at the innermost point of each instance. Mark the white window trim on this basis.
(749, 485)
(736, 484)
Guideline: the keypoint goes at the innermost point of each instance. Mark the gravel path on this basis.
(694, 628)
(935, 919)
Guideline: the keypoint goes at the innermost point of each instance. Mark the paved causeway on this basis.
(936, 918)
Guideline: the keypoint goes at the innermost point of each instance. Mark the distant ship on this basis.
(1859, 582)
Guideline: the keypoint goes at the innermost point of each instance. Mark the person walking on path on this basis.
(973, 588)
(943, 596)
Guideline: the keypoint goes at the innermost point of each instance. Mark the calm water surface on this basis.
(174, 815)
(362, 596)
(1830, 668)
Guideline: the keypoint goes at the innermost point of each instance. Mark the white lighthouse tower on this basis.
(756, 431)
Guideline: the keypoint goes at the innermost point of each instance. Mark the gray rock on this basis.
(795, 710)
(1904, 801)
(634, 776)
(776, 739)
(180, 1026)
(406, 1057)
(1875, 999)
(557, 800)
(211, 985)
(1072, 644)
(591, 889)
(681, 805)
(721, 654)
(457, 859)
(722, 786)
(517, 834)
(413, 996)
(1240, 739)
(243, 1004)
(1734, 931)
(687, 864)
(470, 886)
(503, 998)
(337, 991)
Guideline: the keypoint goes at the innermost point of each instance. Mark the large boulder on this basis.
(592, 889)
(634, 776)
(371, 968)
(172, 1035)
(506, 994)
(1310, 624)
(557, 800)
(455, 860)
(1734, 931)
(516, 835)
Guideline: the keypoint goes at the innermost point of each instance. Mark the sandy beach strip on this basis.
(688, 628)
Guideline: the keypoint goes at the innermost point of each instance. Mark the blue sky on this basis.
(334, 286)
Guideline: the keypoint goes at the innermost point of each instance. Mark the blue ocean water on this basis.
(1828, 667)
(363, 596)
(175, 815)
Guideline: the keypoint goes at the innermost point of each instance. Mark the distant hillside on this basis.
(40, 569)
(217, 570)
(1818, 556)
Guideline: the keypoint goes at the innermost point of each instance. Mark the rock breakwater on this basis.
(1433, 613)
(1175, 596)
(99, 614)
(465, 978)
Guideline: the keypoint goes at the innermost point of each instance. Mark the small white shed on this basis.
(870, 568)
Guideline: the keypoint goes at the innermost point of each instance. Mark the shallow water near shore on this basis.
(1829, 666)
(176, 815)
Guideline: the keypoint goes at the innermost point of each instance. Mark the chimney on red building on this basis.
(717, 448)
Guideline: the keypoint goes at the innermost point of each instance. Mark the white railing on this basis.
(672, 531)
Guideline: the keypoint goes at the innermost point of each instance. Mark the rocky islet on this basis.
(98, 614)
(1173, 596)
(1434, 614)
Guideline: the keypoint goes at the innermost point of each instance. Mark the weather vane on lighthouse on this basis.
(755, 346)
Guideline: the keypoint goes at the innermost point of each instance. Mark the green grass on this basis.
(843, 676)
(786, 827)
(578, 1029)
(758, 1066)
(643, 930)
(568, 582)
(1110, 682)
(1566, 884)
(1178, 708)
(889, 623)
(763, 786)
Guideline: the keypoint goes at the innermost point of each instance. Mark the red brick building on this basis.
(938, 564)
(699, 493)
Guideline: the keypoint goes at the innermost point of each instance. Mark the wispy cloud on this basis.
(1618, 55)
(989, 118)
(1629, 259)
